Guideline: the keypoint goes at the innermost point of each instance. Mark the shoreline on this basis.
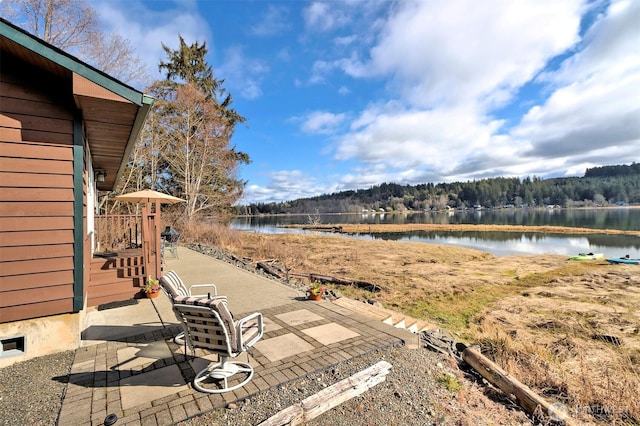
(393, 228)
(631, 206)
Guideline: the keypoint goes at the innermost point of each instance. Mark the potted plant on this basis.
(315, 292)
(151, 287)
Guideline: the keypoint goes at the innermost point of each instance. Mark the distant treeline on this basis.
(613, 171)
(600, 186)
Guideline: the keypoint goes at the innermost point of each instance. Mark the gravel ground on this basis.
(412, 394)
(419, 390)
(31, 391)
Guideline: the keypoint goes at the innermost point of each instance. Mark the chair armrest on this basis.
(240, 323)
(210, 286)
(197, 300)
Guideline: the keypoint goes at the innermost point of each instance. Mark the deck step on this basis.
(411, 324)
(387, 316)
(114, 278)
(400, 324)
(132, 272)
(364, 309)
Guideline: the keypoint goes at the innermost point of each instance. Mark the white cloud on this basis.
(284, 55)
(323, 16)
(595, 102)
(452, 53)
(284, 185)
(415, 138)
(464, 64)
(274, 21)
(611, 47)
(367, 176)
(344, 41)
(147, 29)
(321, 122)
(583, 116)
(245, 75)
(319, 71)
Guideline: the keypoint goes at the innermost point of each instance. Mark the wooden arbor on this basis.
(151, 225)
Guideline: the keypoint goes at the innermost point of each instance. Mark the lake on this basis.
(497, 243)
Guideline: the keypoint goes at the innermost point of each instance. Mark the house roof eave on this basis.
(70, 62)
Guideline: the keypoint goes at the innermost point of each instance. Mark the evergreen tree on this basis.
(193, 126)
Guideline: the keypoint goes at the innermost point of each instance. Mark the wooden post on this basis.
(334, 395)
(146, 243)
(532, 402)
(157, 242)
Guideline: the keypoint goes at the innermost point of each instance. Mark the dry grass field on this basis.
(570, 330)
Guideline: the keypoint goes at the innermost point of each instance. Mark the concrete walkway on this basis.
(129, 365)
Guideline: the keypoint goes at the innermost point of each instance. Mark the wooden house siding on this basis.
(36, 230)
(36, 192)
(41, 105)
(60, 120)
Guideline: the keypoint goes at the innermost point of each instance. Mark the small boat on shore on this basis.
(624, 260)
(587, 256)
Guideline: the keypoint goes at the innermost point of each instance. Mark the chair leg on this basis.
(179, 339)
(223, 371)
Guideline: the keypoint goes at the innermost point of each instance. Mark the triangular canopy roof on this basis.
(147, 196)
(113, 112)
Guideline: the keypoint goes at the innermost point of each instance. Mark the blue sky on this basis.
(348, 94)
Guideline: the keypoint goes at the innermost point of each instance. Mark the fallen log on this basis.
(323, 228)
(326, 279)
(272, 270)
(330, 397)
(240, 260)
(299, 275)
(533, 403)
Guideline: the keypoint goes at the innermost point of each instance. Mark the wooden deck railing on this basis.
(117, 232)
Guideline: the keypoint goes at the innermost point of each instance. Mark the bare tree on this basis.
(114, 55)
(145, 165)
(73, 25)
(64, 23)
(194, 138)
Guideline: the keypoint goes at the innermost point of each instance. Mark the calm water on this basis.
(497, 243)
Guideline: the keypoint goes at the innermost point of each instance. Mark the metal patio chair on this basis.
(210, 326)
(173, 286)
(170, 239)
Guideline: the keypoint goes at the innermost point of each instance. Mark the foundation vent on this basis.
(12, 346)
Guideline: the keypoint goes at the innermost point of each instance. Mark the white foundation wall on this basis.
(42, 336)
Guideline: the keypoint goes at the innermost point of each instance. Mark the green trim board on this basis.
(58, 56)
(138, 124)
(78, 213)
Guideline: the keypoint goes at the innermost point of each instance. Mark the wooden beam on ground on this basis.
(331, 397)
(533, 403)
(326, 279)
(272, 270)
